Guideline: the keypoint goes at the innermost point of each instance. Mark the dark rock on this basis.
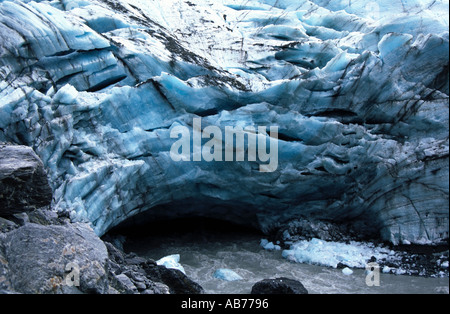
(141, 286)
(46, 217)
(20, 218)
(425, 263)
(125, 285)
(279, 286)
(54, 259)
(7, 225)
(5, 284)
(135, 260)
(306, 229)
(177, 282)
(114, 253)
(134, 268)
(23, 181)
(341, 266)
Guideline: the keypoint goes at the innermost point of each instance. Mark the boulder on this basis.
(279, 286)
(23, 180)
(54, 259)
(177, 282)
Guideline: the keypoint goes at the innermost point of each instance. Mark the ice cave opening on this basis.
(188, 220)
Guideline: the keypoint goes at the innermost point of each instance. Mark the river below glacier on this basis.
(204, 249)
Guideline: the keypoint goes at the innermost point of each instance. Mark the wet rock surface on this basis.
(279, 286)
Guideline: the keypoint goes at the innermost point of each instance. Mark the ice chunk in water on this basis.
(171, 261)
(331, 254)
(227, 275)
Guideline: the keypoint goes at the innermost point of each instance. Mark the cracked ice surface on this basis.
(359, 91)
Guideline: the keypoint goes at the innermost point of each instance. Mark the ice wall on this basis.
(359, 91)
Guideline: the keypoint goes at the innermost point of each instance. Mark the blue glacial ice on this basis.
(172, 262)
(347, 271)
(359, 91)
(226, 274)
(269, 245)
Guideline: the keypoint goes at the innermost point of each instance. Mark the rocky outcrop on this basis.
(279, 286)
(43, 252)
(361, 105)
(69, 258)
(23, 180)
(55, 259)
(131, 274)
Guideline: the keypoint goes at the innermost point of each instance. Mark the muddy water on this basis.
(204, 251)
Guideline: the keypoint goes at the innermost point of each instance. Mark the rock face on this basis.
(361, 104)
(69, 258)
(56, 259)
(131, 274)
(23, 180)
(279, 286)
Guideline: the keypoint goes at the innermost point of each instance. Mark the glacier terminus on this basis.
(358, 92)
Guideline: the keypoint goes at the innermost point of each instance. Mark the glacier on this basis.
(359, 91)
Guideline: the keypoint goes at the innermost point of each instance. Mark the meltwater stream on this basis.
(206, 248)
